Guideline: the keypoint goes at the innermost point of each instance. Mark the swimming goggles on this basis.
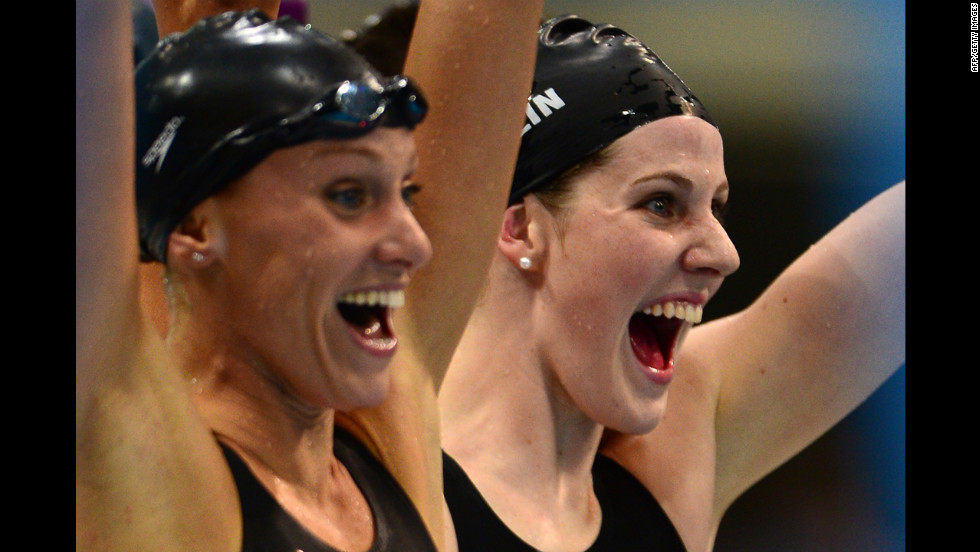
(360, 106)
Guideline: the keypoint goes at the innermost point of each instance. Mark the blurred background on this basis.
(810, 99)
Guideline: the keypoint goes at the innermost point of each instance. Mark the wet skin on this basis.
(343, 209)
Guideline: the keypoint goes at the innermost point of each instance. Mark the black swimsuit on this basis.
(268, 528)
(632, 519)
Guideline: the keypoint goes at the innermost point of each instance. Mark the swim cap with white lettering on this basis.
(592, 85)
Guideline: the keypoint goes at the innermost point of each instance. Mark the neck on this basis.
(265, 425)
(508, 422)
(245, 406)
(286, 442)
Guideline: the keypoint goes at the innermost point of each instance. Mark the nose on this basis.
(404, 243)
(711, 250)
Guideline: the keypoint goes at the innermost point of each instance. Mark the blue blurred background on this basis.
(810, 98)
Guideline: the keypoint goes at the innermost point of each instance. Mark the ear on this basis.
(519, 237)
(199, 239)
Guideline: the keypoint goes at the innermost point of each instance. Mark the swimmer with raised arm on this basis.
(611, 248)
(396, 430)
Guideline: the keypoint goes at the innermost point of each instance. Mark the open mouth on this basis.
(368, 313)
(655, 330)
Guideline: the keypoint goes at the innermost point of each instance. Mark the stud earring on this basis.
(525, 262)
(197, 257)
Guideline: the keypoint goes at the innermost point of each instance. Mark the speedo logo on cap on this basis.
(158, 151)
(545, 103)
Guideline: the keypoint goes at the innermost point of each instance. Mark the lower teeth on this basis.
(372, 329)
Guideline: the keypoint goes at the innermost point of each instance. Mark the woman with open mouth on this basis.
(610, 249)
(275, 174)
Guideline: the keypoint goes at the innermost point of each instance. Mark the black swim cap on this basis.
(592, 84)
(214, 101)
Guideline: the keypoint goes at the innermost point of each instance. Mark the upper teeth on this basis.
(394, 298)
(676, 309)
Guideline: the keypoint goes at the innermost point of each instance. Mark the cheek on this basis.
(619, 259)
(292, 255)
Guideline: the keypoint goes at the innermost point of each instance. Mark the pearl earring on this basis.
(197, 257)
(525, 262)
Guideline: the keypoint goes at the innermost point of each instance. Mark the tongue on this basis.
(644, 341)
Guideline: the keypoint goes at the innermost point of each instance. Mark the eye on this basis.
(660, 205)
(348, 197)
(720, 210)
(409, 192)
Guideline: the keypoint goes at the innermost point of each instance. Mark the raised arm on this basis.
(768, 381)
(133, 490)
(178, 15)
(823, 336)
(757, 387)
(474, 61)
(105, 246)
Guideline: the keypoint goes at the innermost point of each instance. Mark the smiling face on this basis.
(639, 233)
(318, 244)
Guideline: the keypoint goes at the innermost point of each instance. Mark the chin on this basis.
(640, 420)
(639, 427)
(367, 394)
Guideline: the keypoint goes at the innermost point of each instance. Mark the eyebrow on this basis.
(678, 179)
(373, 153)
(338, 147)
(373, 156)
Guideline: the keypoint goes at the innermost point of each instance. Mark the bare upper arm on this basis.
(178, 15)
(147, 473)
(818, 341)
(755, 388)
(474, 64)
